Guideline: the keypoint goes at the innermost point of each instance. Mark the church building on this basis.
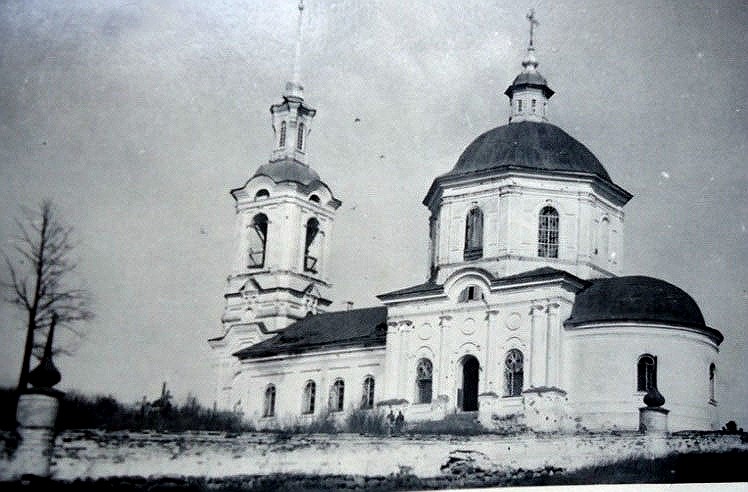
(523, 315)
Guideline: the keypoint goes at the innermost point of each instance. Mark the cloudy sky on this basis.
(137, 117)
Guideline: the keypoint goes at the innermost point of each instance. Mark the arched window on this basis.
(258, 240)
(337, 396)
(314, 198)
(470, 293)
(548, 233)
(514, 373)
(261, 194)
(282, 138)
(603, 238)
(646, 373)
(300, 137)
(367, 397)
(311, 246)
(268, 409)
(473, 234)
(424, 378)
(712, 382)
(310, 391)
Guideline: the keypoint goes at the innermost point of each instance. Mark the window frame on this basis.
(367, 396)
(473, 246)
(282, 137)
(309, 398)
(260, 226)
(268, 408)
(313, 231)
(548, 232)
(300, 137)
(646, 378)
(337, 396)
(424, 381)
(514, 373)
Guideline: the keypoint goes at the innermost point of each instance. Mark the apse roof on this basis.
(637, 298)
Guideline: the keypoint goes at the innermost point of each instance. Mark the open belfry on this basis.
(522, 316)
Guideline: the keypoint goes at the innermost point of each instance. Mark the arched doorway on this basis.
(467, 395)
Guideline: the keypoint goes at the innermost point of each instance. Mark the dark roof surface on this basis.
(635, 298)
(288, 170)
(357, 327)
(416, 289)
(531, 146)
(543, 273)
(529, 79)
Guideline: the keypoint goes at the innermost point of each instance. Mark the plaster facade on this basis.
(523, 314)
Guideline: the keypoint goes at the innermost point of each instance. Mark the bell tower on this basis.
(283, 226)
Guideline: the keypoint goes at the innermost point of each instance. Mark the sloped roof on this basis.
(430, 287)
(288, 170)
(357, 327)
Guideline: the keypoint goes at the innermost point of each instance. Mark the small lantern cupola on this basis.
(292, 117)
(529, 92)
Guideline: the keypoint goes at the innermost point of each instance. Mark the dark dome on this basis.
(635, 298)
(288, 170)
(531, 146)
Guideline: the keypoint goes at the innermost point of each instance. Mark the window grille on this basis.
(548, 233)
(424, 380)
(513, 373)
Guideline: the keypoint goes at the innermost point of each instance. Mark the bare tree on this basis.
(40, 277)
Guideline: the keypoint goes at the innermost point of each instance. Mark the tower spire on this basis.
(294, 87)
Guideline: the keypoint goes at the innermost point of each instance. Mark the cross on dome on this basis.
(530, 63)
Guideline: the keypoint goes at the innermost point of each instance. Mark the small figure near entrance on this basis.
(390, 422)
(400, 422)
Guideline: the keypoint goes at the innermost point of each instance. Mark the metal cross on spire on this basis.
(533, 22)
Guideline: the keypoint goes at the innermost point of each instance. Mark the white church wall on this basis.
(511, 206)
(446, 331)
(290, 373)
(600, 374)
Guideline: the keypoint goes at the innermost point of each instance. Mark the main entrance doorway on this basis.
(467, 395)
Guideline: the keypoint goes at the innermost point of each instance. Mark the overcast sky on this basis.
(138, 117)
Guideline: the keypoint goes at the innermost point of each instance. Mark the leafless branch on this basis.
(40, 279)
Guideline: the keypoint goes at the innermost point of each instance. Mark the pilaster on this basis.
(538, 345)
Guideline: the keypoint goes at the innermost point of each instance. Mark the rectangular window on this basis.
(534, 102)
(519, 105)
